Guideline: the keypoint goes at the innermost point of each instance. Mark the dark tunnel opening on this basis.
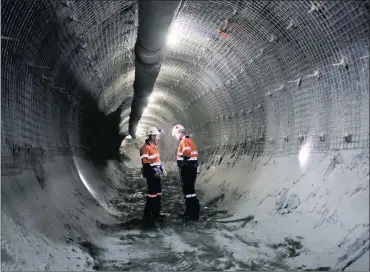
(100, 133)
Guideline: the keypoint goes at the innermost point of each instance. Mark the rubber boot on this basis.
(148, 209)
(186, 215)
(158, 207)
(149, 213)
(195, 209)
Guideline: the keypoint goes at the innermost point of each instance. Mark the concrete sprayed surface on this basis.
(274, 93)
(261, 214)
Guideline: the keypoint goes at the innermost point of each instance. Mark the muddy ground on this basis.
(209, 244)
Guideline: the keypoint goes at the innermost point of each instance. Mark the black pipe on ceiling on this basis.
(155, 18)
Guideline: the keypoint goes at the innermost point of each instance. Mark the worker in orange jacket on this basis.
(152, 170)
(187, 161)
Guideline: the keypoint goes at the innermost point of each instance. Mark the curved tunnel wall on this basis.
(280, 70)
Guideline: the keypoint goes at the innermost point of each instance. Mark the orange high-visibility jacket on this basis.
(149, 154)
(187, 148)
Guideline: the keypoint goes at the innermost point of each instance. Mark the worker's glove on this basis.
(163, 172)
(158, 171)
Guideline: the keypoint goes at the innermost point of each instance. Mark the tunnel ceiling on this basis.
(262, 71)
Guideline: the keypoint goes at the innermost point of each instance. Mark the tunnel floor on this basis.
(210, 244)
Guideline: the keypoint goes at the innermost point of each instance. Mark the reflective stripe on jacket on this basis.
(150, 155)
(187, 148)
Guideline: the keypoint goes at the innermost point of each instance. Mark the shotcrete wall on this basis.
(275, 94)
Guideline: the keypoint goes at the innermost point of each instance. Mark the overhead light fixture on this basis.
(172, 36)
(172, 39)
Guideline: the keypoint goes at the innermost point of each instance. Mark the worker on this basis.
(152, 170)
(187, 161)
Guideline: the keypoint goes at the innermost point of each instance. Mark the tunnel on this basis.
(275, 94)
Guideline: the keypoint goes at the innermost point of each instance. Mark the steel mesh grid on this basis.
(31, 108)
(227, 77)
(168, 99)
(92, 25)
(315, 99)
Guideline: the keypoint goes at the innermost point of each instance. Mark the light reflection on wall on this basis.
(85, 180)
(304, 154)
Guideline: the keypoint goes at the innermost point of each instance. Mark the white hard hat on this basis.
(153, 131)
(177, 128)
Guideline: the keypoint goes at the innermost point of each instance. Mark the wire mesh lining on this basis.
(299, 57)
(263, 76)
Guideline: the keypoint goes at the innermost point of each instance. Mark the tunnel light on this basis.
(173, 35)
(172, 39)
(151, 98)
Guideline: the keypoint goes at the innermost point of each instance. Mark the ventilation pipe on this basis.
(155, 18)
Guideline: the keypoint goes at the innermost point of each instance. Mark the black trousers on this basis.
(154, 186)
(188, 177)
(154, 196)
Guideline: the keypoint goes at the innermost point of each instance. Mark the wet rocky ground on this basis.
(210, 244)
